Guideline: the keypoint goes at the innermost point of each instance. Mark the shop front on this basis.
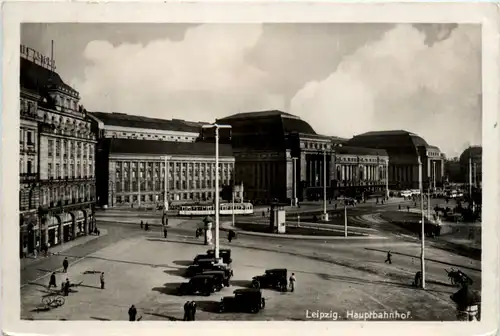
(53, 224)
(29, 234)
(89, 225)
(79, 226)
(67, 222)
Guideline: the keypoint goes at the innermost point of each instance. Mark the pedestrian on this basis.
(165, 233)
(132, 313)
(187, 307)
(52, 281)
(388, 260)
(192, 311)
(65, 265)
(66, 287)
(408, 208)
(418, 279)
(146, 227)
(98, 232)
(142, 224)
(102, 280)
(292, 282)
(335, 206)
(230, 235)
(399, 207)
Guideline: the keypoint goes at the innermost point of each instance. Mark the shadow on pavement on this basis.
(99, 318)
(92, 272)
(170, 288)
(241, 283)
(90, 286)
(183, 262)
(180, 272)
(208, 306)
(200, 243)
(170, 318)
(40, 309)
(427, 259)
(125, 261)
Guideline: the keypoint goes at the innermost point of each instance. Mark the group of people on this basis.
(190, 311)
(145, 226)
(66, 285)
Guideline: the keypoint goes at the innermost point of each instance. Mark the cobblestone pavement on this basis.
(144, 269)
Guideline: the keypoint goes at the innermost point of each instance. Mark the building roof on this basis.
(39, 79)
(262, 122)
(416, 139)
(158, 147)
(127, 120)
(360, 151)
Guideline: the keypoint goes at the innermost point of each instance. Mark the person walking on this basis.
(102, 280)
(66, 287)
(132, 313)
(192, 311)
(142, 225)
(388, 260)
(165, 232)
(52, 281)
(187, 307)
(146, 227)
(230, 235)
(65, 265)
(292, 282)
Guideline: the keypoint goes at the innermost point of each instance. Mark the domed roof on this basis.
(473, 151)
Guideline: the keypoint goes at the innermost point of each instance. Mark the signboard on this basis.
(37, 57)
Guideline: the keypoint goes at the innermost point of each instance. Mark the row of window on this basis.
(28, 106)
(177, 165)
(178, 185)
(199, 196)
(29, 168)
(70, 171)
(178, 175)
(147, 136)
(27, 137)
(67, 147)
(315, 145)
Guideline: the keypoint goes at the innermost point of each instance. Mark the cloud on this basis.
(403, 81)
(202, 77)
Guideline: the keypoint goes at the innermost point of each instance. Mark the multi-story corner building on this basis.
(132, 153)
(29, 188)
(471, 167)
(281, 157)
(405, 151)
(58, 153)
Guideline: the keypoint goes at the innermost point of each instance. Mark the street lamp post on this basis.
(294, 160)
(387, 178)
(325, 214)
(422, 255)
(345, 219)
(165, 186)
(216, 128)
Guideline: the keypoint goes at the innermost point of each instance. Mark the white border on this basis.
(16, 12)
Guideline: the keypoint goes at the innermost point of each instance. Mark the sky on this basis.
(342, 78)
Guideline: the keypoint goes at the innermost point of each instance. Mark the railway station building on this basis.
(404, 150)
(131, 157)
(279, 157)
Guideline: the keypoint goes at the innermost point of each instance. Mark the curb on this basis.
(301, 237)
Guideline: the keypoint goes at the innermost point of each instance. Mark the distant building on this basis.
(57, 160)
(475, 166)
(279, 157)
(404, 150)
(132, 152)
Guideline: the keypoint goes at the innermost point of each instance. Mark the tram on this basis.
(226, 209)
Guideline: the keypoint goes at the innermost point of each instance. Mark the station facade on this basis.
(133, 152)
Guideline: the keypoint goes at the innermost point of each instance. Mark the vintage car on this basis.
(222, 278)
(244, 300)
(225, 254)
(204, 284)
(272, 278)
(203, 266)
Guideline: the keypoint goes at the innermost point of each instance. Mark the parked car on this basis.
(244, 300)
(225, 254)
(200, 284)
(222, 277)
(272, 278)
(202, 267)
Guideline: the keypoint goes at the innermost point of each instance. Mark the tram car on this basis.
(225, 209)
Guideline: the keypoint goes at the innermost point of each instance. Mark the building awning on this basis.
(65, 218)
(53, 221)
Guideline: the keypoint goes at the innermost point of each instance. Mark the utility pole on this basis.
(325, 214)
(345, 219)
(422, 255)
(294, 160)
(165, 183)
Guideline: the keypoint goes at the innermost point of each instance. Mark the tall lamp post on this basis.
(422, 255)
(165, 186)
(216, 127)
(387, 178)
(325, 214)
(294, 160)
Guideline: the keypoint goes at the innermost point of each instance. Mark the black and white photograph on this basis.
(250, 171)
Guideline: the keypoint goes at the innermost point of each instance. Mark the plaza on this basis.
(145, 270)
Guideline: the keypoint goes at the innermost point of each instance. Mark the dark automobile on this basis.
(202, 257)
(200, 284)
(244, 300)
(272, 278)
(225, 254)
(203, 267)
(222, 278)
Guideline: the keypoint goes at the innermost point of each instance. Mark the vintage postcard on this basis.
(330, 164)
